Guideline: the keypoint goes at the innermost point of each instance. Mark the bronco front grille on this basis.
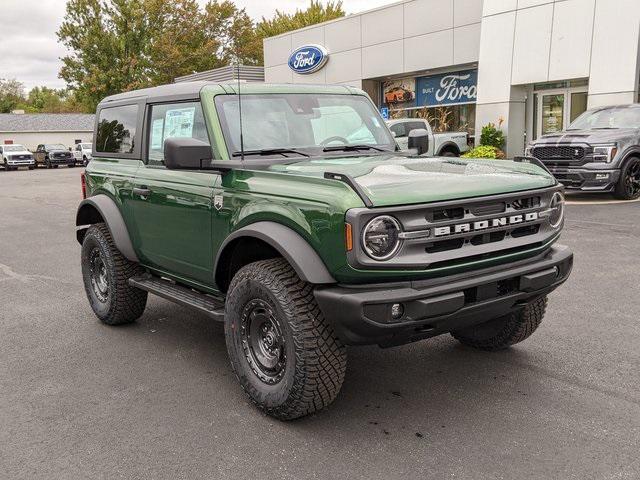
(456, 232)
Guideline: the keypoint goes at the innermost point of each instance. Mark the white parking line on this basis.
(599, 202)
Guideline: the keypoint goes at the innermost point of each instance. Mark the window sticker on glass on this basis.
(157, 133)
(179, 122)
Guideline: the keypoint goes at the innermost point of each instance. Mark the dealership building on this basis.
(530, 66)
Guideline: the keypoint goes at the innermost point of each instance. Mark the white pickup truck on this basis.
(440, 144)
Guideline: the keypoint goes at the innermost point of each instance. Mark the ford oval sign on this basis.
(308, 59)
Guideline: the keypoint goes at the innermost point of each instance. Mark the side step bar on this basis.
(207, 304)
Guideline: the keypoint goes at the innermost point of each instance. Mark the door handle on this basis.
(143, 191)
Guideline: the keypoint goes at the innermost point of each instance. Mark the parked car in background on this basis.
(598, 152)
(440, 144)
(14, 156)
(82, 153)
(53, 154)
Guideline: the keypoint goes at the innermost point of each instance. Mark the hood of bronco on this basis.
(396, 180)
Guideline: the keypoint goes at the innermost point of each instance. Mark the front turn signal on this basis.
(348, 237)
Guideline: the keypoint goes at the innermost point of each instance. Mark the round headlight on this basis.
(556, 210)
(381, 237)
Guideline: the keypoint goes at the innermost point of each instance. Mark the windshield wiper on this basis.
(352, 148)
(270, 151)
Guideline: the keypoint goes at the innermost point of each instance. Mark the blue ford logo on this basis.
(308, 59)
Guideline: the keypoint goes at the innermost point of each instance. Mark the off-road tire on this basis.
(621, 190)
(123, 303)
(505, 331)
(316, 360)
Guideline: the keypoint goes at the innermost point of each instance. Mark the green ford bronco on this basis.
(290, 214)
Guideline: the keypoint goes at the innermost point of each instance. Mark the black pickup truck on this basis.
(598, 152)
(53, 154)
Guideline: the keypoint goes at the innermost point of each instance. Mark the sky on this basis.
(29, 47)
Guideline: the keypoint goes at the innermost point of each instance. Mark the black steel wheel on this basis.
(98, 275)
(263, 343)
(628, 187)
(106, 273)
(284, 353)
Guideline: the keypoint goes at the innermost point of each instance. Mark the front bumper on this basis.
(62, 161)
(586, 179)
(361, 314)
(20, 163)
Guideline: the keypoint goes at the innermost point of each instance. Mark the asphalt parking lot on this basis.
(157, 399)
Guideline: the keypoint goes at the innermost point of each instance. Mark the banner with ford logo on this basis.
(308, 59)
(447, 89)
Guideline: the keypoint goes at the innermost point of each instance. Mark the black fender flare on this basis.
(106, 208)
(290, 244)
(448, 144)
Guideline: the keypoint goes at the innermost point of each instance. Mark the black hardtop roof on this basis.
(182, 89)
(191, 90)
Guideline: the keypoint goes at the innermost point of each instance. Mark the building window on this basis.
(454, 118)
(446, 101)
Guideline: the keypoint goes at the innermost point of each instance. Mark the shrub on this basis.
(483, 151)
(492, 136)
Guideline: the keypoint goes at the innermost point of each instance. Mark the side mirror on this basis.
(186, 153)
(419, 140)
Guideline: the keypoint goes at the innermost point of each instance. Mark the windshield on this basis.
(55, 146)
(308, 123)
(624, 117)
(13, 148)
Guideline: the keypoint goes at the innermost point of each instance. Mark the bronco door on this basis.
(172, 209)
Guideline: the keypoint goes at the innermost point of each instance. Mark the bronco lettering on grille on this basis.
(484, 224)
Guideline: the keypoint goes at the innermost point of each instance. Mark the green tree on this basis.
(315, 13)
(120, 45)
(11, 95)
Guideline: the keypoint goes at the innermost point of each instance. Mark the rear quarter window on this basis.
(116, 130)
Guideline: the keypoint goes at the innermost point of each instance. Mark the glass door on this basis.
(556, 109)
(552, 112)
(578, 105)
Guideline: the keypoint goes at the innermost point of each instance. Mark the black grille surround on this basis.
(422, 251)
(559, 152)
(563, 154)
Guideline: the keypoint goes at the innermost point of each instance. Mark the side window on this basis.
(171, 121)
(39, 149)
(399, 130)
(117, 129)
